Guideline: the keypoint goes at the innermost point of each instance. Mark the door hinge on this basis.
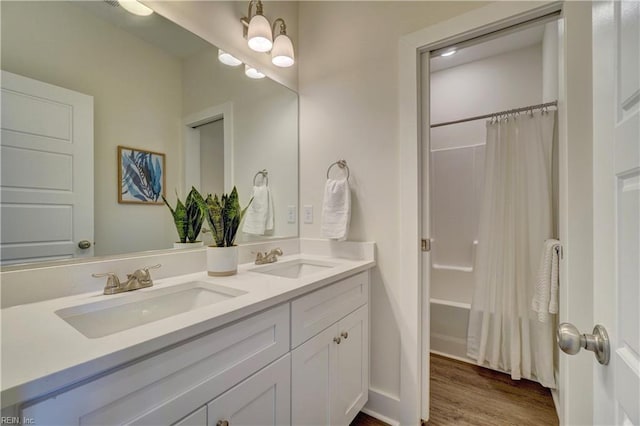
(426, 244)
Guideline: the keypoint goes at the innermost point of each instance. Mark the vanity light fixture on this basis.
(228, 59)
(259, 34)
(448, 53)
(252, 72)
(135, 7)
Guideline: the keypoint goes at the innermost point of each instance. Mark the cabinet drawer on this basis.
(166, 387)
(314, 312)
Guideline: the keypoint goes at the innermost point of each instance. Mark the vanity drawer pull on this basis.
(222, 423)
(344, 334)
(337, 340)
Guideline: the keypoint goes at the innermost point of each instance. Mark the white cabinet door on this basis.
(46, 171)
(330, 373)
(352, 366)
(313, 379)
(263, 399)
(197, 418)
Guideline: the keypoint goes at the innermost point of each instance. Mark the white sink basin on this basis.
(106, 317)
(294, 268)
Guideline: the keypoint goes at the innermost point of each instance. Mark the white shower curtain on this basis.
(516, 218)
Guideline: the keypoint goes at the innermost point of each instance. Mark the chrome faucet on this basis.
(140, 278)
(268, 257)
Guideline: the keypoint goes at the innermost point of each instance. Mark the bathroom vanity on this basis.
(285, 343)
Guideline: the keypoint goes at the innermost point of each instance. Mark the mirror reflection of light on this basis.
(135, 7)
(228, 59)
(448, 53)
(252, 72)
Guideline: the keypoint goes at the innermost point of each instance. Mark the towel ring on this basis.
(340, 163)
(265, 178)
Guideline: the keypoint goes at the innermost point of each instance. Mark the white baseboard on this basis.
(383, 406)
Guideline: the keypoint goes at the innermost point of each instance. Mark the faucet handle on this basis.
(143, 275)
(146, 268)
(113, 282)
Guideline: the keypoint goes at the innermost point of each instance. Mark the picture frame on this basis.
(141, 176)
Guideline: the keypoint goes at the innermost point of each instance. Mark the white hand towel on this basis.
(545, 299)
(259, 217)
(336, 209)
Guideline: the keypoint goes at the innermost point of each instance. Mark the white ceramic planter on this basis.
(194, 244)
(222, 261)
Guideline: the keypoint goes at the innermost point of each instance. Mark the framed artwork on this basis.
(141, 176)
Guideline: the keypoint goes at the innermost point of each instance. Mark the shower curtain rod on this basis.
(495, 114)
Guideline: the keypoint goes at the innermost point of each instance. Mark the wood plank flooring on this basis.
(467, 395)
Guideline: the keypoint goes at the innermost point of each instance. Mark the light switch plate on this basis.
(291, 214)
(308, 213)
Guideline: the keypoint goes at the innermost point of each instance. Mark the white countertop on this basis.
(42, 353)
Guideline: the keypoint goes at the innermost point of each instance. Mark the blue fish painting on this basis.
(141, 176)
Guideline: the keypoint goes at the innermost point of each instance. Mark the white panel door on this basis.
(616, 59)
(353, 366)
(263, 399)
(46, 182)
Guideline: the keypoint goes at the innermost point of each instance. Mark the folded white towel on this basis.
(336, 209)
(545, 299)
(259, 217)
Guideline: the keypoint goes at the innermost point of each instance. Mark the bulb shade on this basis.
(135, 7)
(252, 72)
(259, 34)
(282, 52)
(228, 59)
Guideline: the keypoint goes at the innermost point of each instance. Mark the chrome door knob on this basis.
(570, 340)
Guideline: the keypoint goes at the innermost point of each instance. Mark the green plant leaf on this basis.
(195, 214)
(224, 216)
(179, 218)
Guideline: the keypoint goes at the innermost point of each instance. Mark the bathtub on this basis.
(450, 302)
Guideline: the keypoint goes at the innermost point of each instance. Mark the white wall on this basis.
(71, 48)
(348, 59)
(550, 62)
(212, 158)
(218, 22)
(497, 83)
(265, 129)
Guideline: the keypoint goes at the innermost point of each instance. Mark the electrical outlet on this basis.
(291, 214)
(308, 213)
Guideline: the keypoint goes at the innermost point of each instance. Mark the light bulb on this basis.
(252, 72)
(135, 7)
(228, 59)
(282, 52)
(448, 53)
(259, 37)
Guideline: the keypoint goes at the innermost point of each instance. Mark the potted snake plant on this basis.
(223, 215)
(188, 218)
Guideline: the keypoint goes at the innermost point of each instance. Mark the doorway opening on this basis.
(477, 91)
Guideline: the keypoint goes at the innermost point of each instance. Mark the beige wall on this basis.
(348, 77)
(135, 86)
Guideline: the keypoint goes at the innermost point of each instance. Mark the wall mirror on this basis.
(89, 72)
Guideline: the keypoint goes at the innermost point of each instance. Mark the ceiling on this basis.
(511, 41)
